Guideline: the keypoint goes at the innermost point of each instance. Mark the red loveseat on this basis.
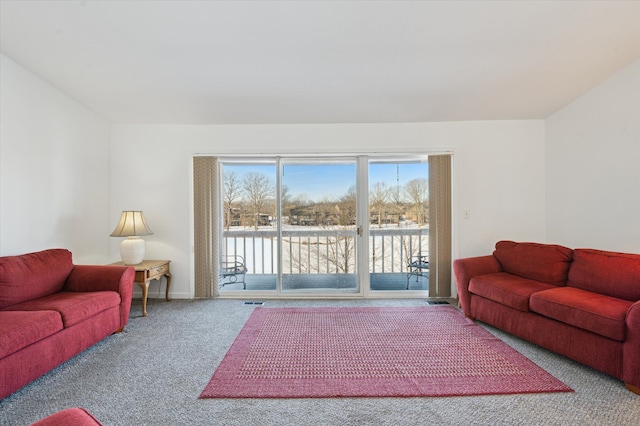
(51, 310)
(583, 304)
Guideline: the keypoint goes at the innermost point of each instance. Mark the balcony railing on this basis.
(326, 252)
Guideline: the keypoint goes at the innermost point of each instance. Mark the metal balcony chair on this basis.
(232, 268)
(418, 267)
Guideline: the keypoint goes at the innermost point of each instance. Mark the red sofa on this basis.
(51, 310)
(583, 304)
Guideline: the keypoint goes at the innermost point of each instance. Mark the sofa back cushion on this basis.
(33, 275)
(547, 263)
(606, 272)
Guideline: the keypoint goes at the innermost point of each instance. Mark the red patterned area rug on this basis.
(371, 352)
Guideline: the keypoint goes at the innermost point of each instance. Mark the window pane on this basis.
(399, 225)
(249, 247)
(319, 226)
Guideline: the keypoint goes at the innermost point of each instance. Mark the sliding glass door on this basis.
(353, 226)
(318, 207)
(399, 224)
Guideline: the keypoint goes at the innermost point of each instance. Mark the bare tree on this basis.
(417, 193)
(231, 193)
(346, 208)
(342, 248)
(379, 196)
(258, 190)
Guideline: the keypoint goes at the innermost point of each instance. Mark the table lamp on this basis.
(132, 225)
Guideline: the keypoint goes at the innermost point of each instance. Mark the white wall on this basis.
(65, 173)
(54, 170)
(593, 167)
(498, 175)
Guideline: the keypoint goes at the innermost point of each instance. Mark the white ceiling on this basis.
(241, 62)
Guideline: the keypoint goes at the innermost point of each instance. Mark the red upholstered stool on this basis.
(70, 416)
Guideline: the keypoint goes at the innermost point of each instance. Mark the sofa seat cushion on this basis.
(74, 307)
(19, 329)
(507, 289)
(598, 313)
(548, 263)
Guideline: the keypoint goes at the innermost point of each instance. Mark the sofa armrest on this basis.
(631, 347)
(70, 416)
(104, 278)
(467, 268)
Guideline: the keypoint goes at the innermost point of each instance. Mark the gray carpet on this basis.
(153, 373)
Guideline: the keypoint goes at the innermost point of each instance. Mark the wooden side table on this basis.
(147, 271)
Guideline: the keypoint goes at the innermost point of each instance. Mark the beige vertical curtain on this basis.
(206, 229)
(440, 225)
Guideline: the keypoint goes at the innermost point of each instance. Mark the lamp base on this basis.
(132, 250)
